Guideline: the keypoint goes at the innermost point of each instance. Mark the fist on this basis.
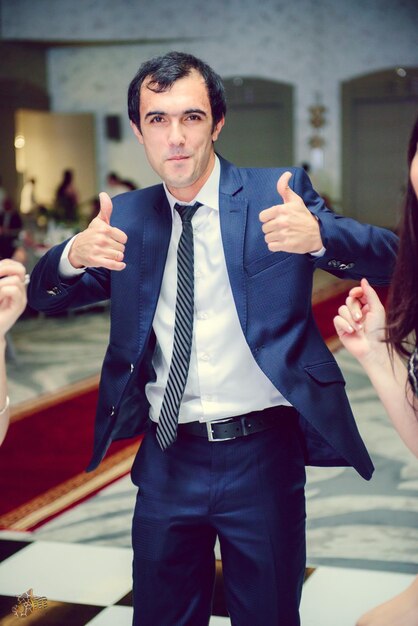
(360, 323)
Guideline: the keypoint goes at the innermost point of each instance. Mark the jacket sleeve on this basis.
(49, 292)
(352, 249)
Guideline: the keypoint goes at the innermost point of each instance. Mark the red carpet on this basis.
(48, 446)
(44, 456)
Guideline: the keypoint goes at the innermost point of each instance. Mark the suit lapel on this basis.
(233, 216)
(154, 248)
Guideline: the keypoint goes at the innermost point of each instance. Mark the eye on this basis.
(193, 117)
(157, 119)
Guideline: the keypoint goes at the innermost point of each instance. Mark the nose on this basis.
(176, 134)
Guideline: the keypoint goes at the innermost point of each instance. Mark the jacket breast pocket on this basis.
(325, 373)
(267, 261)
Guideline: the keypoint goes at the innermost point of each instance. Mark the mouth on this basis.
(178, 157)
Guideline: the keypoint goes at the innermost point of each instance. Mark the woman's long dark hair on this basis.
(402, 316)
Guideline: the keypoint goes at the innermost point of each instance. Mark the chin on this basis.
(179, 182)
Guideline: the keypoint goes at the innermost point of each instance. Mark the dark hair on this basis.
(402, 317)
(164, 71)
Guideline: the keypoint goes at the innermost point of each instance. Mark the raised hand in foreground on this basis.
(12, 305)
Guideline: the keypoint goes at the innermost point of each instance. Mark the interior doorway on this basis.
(259, 123)
(378, 114)
(49, 143)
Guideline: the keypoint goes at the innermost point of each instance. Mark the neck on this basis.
(187, 194)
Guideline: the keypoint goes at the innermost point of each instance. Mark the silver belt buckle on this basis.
(210, 433)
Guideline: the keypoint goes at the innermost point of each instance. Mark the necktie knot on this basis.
(186, 211)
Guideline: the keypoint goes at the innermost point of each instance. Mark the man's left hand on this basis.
(290, 227)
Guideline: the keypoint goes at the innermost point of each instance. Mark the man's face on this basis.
(176, 132)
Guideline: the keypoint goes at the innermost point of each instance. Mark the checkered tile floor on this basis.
(91, 585)
(82, 584)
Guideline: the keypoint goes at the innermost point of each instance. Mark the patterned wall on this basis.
(312, 44)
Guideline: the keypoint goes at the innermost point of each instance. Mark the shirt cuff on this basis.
(320, 252)
(65, 269)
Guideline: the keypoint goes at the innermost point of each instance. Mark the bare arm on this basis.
(360, 327)
(4, 416)
(391, 384)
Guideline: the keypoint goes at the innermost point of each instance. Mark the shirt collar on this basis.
(208, 195)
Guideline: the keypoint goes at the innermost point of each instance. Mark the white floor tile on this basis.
(219, 621)
(120, 615)
(340, 596)
(69, 572)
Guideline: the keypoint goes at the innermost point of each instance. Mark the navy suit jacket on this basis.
(272, 295)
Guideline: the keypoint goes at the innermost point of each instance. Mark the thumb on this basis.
(371, 296)
(283, 188)
(106, 207)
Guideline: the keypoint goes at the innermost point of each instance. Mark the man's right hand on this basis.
(100, 245)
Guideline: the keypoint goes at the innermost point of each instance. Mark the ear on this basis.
(218, 129)
(137, 132)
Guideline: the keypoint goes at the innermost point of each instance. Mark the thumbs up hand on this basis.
(290, 227)
(100, 245)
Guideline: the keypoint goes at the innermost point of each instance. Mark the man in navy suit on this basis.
(263, 396)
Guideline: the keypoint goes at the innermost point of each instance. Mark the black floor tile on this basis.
(8, 548)
(126, 600)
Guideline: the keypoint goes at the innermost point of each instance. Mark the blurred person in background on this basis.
(117, 185)
(10, 228)
(66, 198)
(3, 195)
(28, 204)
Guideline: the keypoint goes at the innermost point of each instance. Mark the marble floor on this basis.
(362, 537)
(54, 352)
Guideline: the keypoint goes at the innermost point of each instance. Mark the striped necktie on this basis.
(183, 330)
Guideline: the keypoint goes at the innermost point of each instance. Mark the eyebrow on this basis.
(186, 112)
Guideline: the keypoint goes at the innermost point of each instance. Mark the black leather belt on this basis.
(240, 426)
